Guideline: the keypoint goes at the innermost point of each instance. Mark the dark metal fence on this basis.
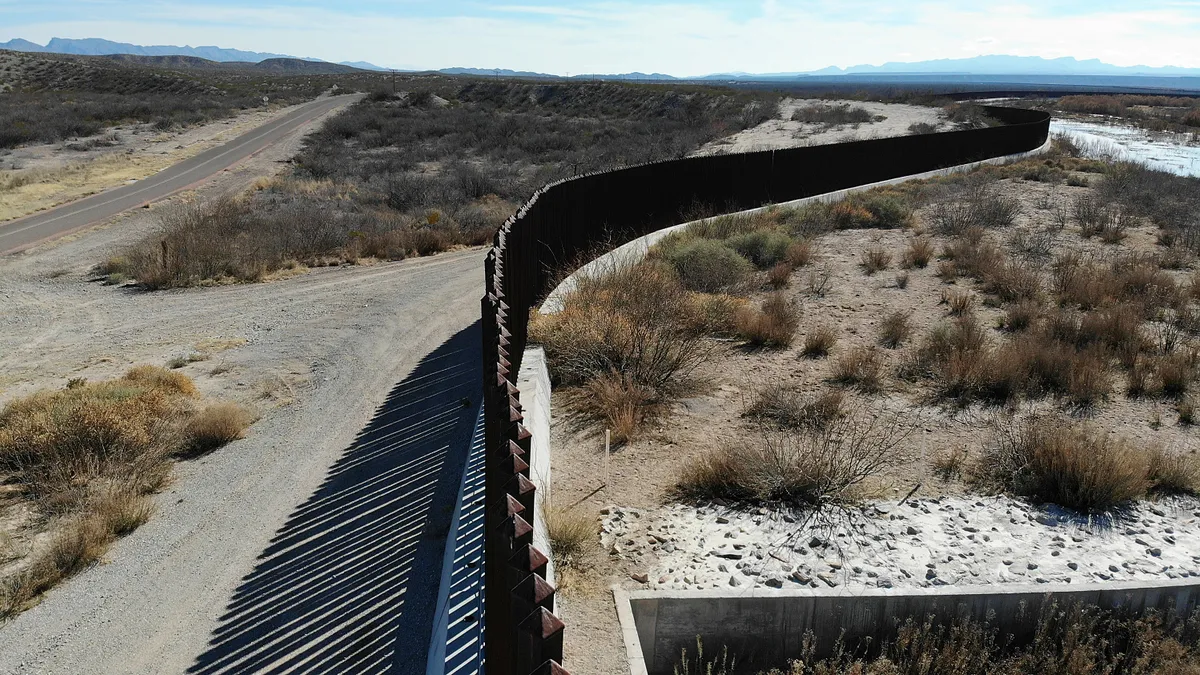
(566, 219)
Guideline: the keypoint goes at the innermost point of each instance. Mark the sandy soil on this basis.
(316, 354)
(38, 177)
(644, 472)
(782, 132)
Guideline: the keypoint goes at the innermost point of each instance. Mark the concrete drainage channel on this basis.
(765, 628)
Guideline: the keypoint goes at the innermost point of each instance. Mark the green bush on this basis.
(708, 266)
(763, 248)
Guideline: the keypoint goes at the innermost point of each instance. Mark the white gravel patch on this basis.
(924, 542)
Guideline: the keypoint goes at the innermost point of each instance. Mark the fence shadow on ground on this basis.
(349, 584)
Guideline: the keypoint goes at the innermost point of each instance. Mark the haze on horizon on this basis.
(682, 38)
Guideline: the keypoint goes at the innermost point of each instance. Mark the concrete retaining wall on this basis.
(764, 628)
(534, 382)
(636, 249)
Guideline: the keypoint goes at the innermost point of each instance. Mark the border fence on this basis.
(564, 220)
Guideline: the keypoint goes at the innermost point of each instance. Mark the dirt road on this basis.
(317, 355)
(23, 232)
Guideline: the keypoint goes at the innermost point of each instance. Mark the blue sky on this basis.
(678, 37)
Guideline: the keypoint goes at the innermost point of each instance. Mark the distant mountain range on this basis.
(957, 69)
(101, 47)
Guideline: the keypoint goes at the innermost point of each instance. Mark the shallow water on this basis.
(1175, 153)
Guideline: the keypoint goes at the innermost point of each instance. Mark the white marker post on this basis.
(607, 446)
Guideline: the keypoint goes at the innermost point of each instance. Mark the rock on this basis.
(1114, 568)
(1007, 561)
(728, 555)
(883, 582)
(640, 578)
(735, 582)
(815, 542)
(1140, 542)
(1031, 565)
(1157, 511)
(912, 531)
(1073, 565)
(833, 564)
(723, 567)
(801, 577)
(774, 582)
(828, 579)
(1156, 551)
(722, 520)
(664, 579)
(930, 574)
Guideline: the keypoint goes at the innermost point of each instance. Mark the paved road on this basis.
(25, 232)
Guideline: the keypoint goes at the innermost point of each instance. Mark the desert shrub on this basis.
(819, 281)
(774, 325)
(887, 210)
(786, 408)
(832, 115)
(1068, 639)
(894, 329)
(918, 254)
(630, 339)
(902, 280)
(1021, 315)
(874, 259)
(635, 320)
(709, 266)
(762, 248)
(808, 467)
(861, 367)
(920, 128)
(800, 253)
(1075, 466)
(819, 341)
(780, 275)
(1177, 372)
(980, 206)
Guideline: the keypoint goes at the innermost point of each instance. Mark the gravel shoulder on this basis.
(315, 354)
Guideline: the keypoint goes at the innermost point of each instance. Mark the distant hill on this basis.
(979, 65)
(285, 65)
(100, 47)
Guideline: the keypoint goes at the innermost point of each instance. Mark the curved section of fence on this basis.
(564, 220)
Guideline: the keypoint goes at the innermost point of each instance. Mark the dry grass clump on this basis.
(1077, 466)
(918, 254)
(630, 338)
(789, 409)
(89, 454)
(949, 463)
(958, 302)
(875, 259)
(809, 467)
(774, 325)
(819, 341)
(574, 536)
(861, 367)
(895, 329)
(217, 425)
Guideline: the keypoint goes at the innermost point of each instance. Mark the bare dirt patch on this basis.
(783, 132)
